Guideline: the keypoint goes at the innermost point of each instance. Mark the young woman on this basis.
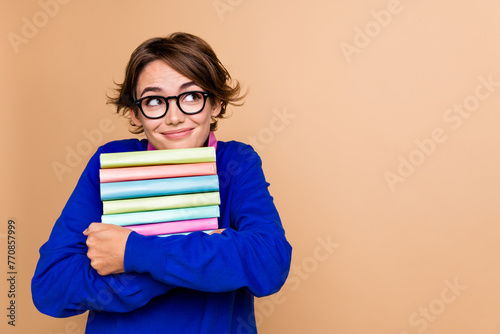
(175, 90)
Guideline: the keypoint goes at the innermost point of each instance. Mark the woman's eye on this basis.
(191, 97)
(153, 102)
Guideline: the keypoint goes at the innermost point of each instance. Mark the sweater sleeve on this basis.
(252, 254)
(64, 283)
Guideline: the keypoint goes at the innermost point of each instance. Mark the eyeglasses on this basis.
(156, 106)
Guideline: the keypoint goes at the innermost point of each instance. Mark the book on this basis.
(157, 157)
(156, 172)
(159, 187)
(161, 202)
(159, 216)
(175, 227)
(161, 192)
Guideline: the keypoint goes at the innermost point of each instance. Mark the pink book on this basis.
(156, 172)
(176, 226)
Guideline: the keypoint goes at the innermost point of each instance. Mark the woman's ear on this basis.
(216, 107)
(135, 118)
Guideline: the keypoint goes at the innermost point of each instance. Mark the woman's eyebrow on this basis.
(151, 89)
(187, 84)
(159, 89)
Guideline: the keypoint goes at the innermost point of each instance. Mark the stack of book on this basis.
(161, 192)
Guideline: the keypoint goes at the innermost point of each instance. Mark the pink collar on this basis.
(212, 142)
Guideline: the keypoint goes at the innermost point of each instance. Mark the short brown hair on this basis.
(189, 55)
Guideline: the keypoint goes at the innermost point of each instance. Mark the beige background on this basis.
(353, 107)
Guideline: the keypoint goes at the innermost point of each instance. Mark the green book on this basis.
(157, 157)
(161, 202)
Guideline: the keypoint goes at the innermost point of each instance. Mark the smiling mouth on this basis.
(176, 134)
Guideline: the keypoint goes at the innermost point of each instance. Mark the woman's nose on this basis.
(174, 114)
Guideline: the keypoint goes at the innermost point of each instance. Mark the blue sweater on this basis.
(196, 283)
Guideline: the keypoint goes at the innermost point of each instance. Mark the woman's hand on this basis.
(106, 245)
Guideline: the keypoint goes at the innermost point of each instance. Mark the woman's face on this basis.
(175, 129)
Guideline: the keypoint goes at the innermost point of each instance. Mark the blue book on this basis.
(161, 216)
(159, 187)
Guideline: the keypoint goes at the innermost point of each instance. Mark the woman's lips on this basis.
(177, 134)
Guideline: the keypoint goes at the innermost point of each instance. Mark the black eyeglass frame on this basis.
(166, 98)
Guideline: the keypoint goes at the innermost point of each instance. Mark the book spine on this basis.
(159, 216)
(161, 202)
(159, 157)
(159, 187)
(176, 227)
(156, 172)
